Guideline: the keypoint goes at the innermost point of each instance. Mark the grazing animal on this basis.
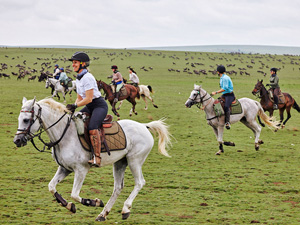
(262, 93)
(250, 110)
(37, 117)
(132, 93)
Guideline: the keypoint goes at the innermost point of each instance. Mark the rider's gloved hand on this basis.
(71, 107)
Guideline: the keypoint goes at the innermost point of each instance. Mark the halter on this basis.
(202, 100)
(29, 136)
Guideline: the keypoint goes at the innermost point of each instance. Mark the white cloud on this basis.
(137, 23)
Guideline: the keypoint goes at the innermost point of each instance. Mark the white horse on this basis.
(145, 91)
(58, 87)
(49, 115)
(250, 108)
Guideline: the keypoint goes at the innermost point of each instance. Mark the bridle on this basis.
(259, 91)
(202, 100)
(29, 136)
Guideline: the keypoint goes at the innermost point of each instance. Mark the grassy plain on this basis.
(195, 186)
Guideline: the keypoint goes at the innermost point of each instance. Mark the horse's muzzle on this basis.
(189, 103)
(254, 92)
(20, 140)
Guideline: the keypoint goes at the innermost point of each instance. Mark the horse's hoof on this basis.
(218, 153)
(135, 113)
(257, 148)
(260, 142)
(100, 218)
(125, 215)
(71, 207)
(99, 202)
(155, 106)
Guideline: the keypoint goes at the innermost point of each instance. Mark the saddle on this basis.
(111, 133)
(219, 106)
(281, 98)
(123, 91)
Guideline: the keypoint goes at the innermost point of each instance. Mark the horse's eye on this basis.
(26, 120)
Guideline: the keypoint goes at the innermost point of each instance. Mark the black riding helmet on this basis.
(274, 69)
(221, 69)
(82, 57)
(114, 67)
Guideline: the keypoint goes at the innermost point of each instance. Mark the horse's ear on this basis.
(24, 100)
(34, 100)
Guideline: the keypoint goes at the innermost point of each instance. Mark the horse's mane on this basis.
(54, 105)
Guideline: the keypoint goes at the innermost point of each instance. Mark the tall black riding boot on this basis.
(227, 120)
(275, 105)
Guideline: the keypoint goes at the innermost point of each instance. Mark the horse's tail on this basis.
(150, 88)
(270, 121)
(164, 137)
(296, 106)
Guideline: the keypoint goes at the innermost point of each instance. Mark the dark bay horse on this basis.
(132, 93)
(262, 93)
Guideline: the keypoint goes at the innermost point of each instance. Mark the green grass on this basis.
(194, 186)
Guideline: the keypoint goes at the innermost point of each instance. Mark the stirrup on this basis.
(227, 125)
(93, 162)
(116, 100)
(275, 106)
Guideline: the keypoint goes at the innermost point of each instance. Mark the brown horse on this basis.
(267, 104)
(132, 93)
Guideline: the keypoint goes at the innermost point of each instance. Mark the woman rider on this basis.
(274, 80)
(89, 96)
(133, 78)
(63, 79)
(227, 90)
(117, 82)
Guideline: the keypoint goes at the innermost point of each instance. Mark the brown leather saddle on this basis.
(112, 135)
(281, 98)
(235, 107)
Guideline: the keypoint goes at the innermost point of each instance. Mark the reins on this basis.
(42, 130)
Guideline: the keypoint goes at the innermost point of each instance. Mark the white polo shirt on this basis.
(87, 82)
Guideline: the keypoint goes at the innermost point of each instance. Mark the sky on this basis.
(149, 23)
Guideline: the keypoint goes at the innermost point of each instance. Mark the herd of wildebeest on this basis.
(43, 67)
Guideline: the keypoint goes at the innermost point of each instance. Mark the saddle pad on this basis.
(114, 136)
(123, 91)
(236, 108)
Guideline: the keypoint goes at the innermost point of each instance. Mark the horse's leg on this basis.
(60, 174)
(119, 171)
(261, 123)
(151, 99)
(77, 184)
(120, 105)
(288, 111)
(113, 108)
(221, 150)
(146, 103)
(135, 166)
(256, 129)
(64, 96)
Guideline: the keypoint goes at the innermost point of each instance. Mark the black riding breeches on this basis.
(229, 98)
(98, 110)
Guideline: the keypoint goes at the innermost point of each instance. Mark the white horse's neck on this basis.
(207, 104)
(50, 116)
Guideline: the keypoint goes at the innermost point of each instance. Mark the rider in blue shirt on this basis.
(227, 90)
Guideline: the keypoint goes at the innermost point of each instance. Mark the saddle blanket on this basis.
(281, 98)
(235, 108)
(114, 135)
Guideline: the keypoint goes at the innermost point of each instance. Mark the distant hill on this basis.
(253, 49)
(247, 49)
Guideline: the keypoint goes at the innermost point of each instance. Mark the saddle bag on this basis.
(218, 108)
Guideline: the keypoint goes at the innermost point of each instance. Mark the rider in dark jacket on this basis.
(274, 80)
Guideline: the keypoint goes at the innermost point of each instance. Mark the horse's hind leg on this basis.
(60, 174)
(288, 111)
(253, 125)
(119, 171)
(135, 166)
(145, 100)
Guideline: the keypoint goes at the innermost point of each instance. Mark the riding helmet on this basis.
(62, 69)
(274, 69)
(221, 69)
(114, 67)
(80, 56)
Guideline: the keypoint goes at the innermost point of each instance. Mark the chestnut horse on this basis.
(132, 93)
(262, 93)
